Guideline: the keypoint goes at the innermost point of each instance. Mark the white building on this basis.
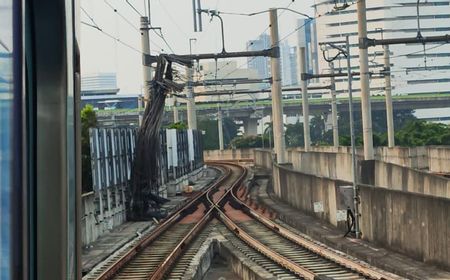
(99, 84)
(412, 70)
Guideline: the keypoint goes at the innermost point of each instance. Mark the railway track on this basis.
(167, 252)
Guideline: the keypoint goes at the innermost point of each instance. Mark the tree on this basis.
(252, 141)
(420, 133)
(88, 120)
(294, 135)
(211, 137)
(177, 125)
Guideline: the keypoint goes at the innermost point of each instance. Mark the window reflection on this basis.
(6, 94)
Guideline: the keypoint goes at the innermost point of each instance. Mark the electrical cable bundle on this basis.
(146, 170)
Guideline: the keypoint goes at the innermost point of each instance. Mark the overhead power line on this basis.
(242, 65)
(112, 37)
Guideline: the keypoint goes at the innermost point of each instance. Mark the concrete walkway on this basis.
(121, 235)
(375, 255)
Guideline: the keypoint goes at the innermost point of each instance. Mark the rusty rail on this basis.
(181, 246)
(313, 247)
(162, 227)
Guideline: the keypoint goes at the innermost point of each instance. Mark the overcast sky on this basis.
(100, 53)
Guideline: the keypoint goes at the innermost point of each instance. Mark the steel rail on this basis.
(167, 223)
(315, 248)
(255, 244)
(266, 251)
(167, 263)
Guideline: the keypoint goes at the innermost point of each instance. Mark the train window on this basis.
(6, 122)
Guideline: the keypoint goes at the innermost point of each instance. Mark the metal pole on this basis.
(220, 127)
(191, 111)
(305, 104)
(262, 130)
(364, 78)
(334, 115)
(147, 70)
(277, 106)
(388, 89)
(176, 118)
(140, 109)
(352, 137)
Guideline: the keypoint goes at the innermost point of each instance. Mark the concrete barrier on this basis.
(414, 224)
(432, 158)
(324, 198)
(396, 177)
(439, 159)
(263, 158)
(332, 165)
(103, 211)
(232, 154)
(411, 217)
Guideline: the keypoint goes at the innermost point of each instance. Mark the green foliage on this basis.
(211, 137)
(420, 133)
(409, 131)
(88, 120)
(294, 135)
(379, 122)
(177, 125)
(249, 142)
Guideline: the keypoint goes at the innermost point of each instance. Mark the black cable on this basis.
(112, 37)
(134, 9)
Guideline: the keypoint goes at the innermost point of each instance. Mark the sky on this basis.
(101, 53)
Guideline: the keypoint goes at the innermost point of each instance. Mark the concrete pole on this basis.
(334, 114)
(364, 78)
(305, 102)
(388, 86)
(147, 71)
(220, 128)
(176, 117)
(191, 111)
(277, 106)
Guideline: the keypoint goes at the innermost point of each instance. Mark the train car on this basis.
(40, 163)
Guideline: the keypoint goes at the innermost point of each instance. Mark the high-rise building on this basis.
(293, 61)
(99, 84)
(307, 38)
(413, 70)
(288, 65)
(260, 64)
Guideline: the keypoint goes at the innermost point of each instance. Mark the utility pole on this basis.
(191, 111)
(176, 117)
(334, 115)
(220, 127)
(147, 70)
(277, 106)
(388, 90)
(305, 104)
(352, 139)
(364, 79)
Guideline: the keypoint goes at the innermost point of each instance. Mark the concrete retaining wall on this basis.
(331, 165)
(439, 159)
(263, 158)
(392, 176)
(103, 211)
(406, 219)
(414, 224)
(318, 196)
(432, 158)
(233, 154)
